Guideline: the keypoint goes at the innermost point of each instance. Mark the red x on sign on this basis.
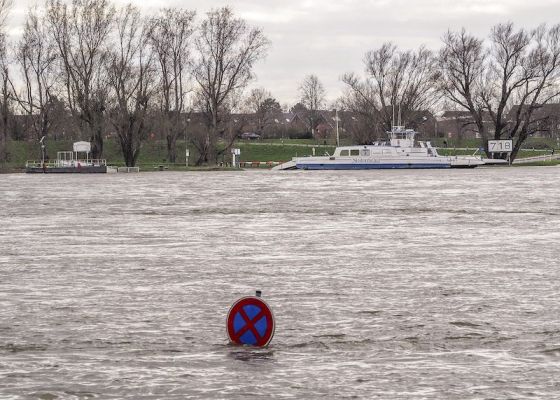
(250, 322)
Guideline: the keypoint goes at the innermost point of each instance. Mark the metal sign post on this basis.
(42, 150)
(337, 134)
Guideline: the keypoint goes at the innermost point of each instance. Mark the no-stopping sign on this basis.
(250, 322)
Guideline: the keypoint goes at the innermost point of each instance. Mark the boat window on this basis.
(365, 152)
(355, 152)
(343, 152)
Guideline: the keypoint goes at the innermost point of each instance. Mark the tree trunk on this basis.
(3, 147)
(3, 134)
(129, 154)
(97, 141)
(212, 139)
(523, 134)
(126, 148)
(171, 148)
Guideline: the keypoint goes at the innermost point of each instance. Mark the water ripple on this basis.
(389, 284)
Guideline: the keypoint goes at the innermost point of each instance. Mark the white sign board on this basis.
(82, 147)
(500, 146)
(236, 151)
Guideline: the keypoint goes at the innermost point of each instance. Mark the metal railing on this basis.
(66, 163)
(128, 169)
(546, 157)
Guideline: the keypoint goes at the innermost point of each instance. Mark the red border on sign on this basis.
(237, 307)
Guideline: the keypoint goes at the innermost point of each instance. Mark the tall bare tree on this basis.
(227, 50)
(170, 37)
(396, 80)
(81, 33)
(36, 56)
(5, 94)
(263, 106)
(312, 96)
(365, 125)
(503, 84)
(130, 76)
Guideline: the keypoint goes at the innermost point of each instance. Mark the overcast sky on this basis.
(328, 38)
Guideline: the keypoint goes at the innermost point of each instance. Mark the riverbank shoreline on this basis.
(7, 171)
(261, 154)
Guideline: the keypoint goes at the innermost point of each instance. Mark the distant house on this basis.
(461, 125)
(546, 120)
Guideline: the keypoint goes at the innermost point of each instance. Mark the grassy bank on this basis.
(154, 153)
(550, 163)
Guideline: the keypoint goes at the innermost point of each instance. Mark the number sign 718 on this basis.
(500, 146)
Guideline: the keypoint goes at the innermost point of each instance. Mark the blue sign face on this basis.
(239, 323)
(250, 322)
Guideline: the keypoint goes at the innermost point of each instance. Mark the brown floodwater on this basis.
(440, 284)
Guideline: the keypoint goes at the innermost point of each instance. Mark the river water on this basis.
(438, 284)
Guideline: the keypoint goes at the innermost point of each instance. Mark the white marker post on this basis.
(187, 153)
(234, 153)
(337, 134)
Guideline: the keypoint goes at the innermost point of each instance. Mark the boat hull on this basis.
(92, 169)
(465, 166)
(356, 166)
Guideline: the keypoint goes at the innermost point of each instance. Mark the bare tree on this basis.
(5, 95)
(5, 6)
(312, 96)
(504, 84)
(170, 37)
(263, 106)
(227, 51)
(80, 32)
(365, 124)
(130, 76)
(36, 56)
(396, 80)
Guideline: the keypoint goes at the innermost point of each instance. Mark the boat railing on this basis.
(66, 163)
(39, 164)
(92, 162)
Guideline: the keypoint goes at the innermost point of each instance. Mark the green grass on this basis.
(284, 141)
(271, 152)
(550, 163)
(310, 142)
(455, 152)
(154, 153)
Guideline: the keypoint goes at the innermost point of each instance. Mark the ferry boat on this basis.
(399, 153)
(76, 161)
